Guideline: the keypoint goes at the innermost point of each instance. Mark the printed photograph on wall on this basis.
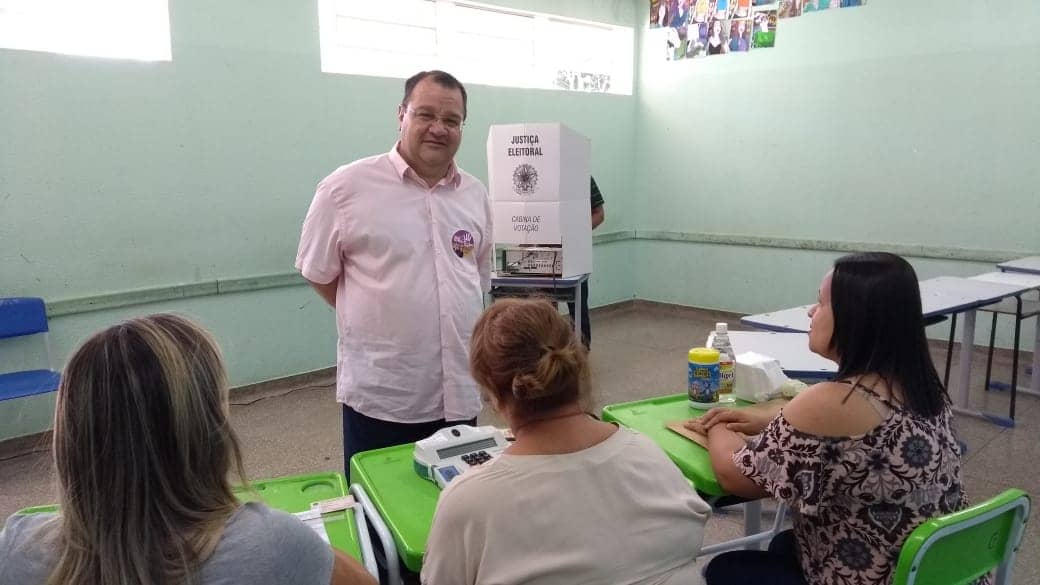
(701, 10)
(740, 35)
(763, 35)
(671, 42)
(680, 14)
(697, 40)
(818, 5)
(670, 13)
(658, 13)
(718, 37)
(791, 8)
(688, 29)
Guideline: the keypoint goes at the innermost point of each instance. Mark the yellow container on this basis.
(703, 377)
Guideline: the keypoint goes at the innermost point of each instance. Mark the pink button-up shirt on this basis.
(412, 265)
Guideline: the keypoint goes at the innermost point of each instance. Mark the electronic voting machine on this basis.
(449, 452)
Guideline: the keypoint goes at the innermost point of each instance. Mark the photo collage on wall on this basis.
(701, 28)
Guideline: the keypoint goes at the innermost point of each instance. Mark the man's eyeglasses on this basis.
(428, 118)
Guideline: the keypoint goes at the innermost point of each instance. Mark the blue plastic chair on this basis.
(19, 317)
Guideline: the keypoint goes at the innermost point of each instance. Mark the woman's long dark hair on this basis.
(878, 328)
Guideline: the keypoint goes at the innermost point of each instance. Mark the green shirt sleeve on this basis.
(597, 197)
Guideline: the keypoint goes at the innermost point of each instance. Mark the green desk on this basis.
(386, 479)
(649, 417)
(400, 504)
(347, 530)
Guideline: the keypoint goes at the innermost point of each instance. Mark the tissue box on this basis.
(758, 377)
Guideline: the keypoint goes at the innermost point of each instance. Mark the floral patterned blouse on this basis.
(854, 500)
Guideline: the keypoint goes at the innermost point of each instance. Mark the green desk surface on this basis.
(405, 501)
(293, 494)
(48, 509)
(649, 417)
(296, 493)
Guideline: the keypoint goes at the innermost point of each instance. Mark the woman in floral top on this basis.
(862, 460)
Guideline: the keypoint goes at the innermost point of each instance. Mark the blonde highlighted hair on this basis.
(526, 356)
(143, 449)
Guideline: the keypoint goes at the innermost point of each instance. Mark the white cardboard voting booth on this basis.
(538, 177)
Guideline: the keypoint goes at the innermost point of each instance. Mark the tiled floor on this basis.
(638, 352)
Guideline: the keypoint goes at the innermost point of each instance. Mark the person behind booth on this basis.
(400, 245)
(573, 499)
(862, 460)
(598, 215)
(142, 451)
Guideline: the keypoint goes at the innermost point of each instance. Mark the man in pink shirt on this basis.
(400, 245)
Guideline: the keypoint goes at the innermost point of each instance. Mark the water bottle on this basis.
(727, 362)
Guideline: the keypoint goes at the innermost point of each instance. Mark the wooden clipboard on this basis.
(699, 438)
(677, 427)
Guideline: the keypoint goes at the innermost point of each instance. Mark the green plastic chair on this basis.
(958, 548)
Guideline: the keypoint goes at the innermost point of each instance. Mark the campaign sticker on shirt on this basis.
(462, 243)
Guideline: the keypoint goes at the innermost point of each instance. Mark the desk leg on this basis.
(383, 532)
(967, 349)
(1014, 356)
(368, 555)
(753, 522)
(754, 538)
(577, 311)
(1034, 384)
(961, 396)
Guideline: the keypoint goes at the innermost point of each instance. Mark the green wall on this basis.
(731, 182)
(900, 125)
(123, 182)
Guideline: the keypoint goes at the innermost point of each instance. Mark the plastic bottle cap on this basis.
(704, 355)
(721, 328)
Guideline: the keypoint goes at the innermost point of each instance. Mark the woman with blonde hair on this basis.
(143, 449)
(573, 499)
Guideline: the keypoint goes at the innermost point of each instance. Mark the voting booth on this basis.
(538, 177)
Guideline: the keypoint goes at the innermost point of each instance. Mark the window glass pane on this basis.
(476, 43)
(130, 29)
(394, 38)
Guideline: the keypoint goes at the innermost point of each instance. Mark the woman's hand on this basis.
(749, 421)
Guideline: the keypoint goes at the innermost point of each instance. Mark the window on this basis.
(123, 29)
(477, 43)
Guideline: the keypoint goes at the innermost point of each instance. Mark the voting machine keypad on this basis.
(476, 458)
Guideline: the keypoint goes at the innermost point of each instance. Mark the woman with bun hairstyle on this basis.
(573, 499)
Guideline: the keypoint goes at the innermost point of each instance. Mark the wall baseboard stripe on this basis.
(909, 250)
(160, 294)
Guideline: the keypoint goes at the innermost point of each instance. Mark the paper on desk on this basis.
(699, 438)
(677, 427)
(312, 518)
(333, 505)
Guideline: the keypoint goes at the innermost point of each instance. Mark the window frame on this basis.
(611, 72)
